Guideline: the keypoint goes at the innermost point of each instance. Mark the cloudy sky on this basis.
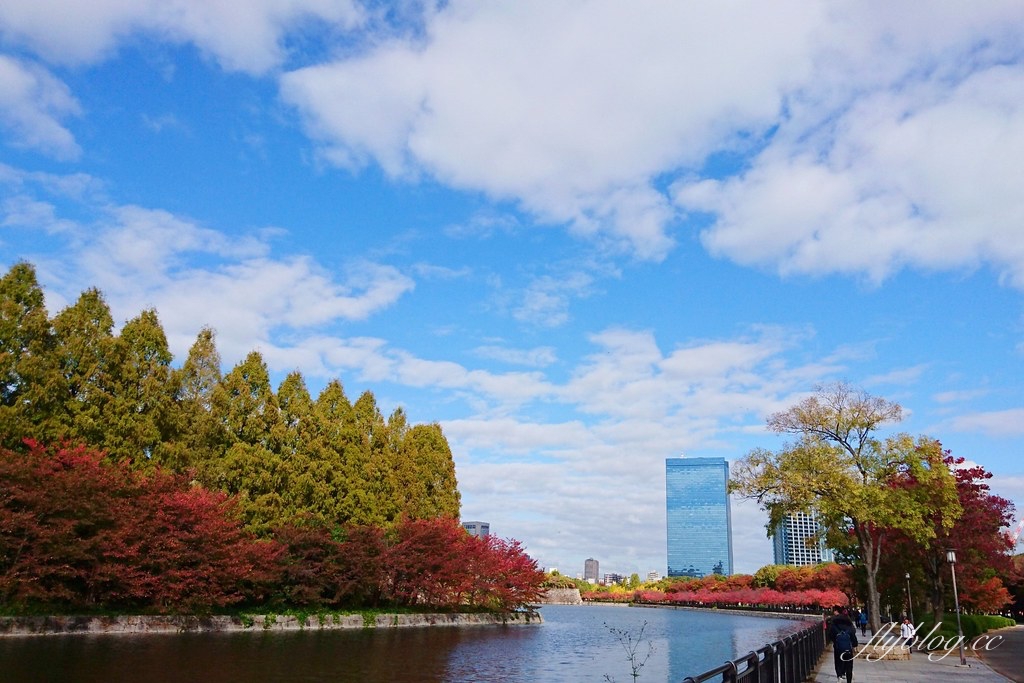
(583, 235)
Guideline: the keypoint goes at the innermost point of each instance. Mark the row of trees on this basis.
(764, 598)
(286, 457)
(182, 489)
(78, 532)
(986, 569)
(774, 586)
(889, 506)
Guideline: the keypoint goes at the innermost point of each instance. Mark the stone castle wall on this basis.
(33, 626)
(561, 596)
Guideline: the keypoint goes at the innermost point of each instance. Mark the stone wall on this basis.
(33, 626)
(561, 596)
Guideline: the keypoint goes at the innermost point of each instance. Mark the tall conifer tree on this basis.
(30, 382)
(85, 342)
(198, 436)
(336, 425)
(251, 467)
(138, 419)
(436, 489)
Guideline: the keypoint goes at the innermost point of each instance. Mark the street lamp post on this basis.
(951, 558)
(910, 601)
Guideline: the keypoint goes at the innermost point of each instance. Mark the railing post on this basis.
(804, 657)
(769, 664)
(789, 660)
(730, 674)
(752, 666)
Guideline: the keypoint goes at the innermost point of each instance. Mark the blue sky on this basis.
(583, 236)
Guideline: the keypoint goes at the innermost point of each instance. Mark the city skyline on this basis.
(583, 237)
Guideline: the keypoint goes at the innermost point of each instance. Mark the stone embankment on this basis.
(37, 626)
(797, 616)
(561, 596)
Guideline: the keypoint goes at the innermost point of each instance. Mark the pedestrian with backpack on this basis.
(909, 634)
(843, 636)
(863, 623)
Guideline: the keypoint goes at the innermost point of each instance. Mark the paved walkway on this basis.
(932, 667)
(1008, 657)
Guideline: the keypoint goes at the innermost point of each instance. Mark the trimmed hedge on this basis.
(973, 625)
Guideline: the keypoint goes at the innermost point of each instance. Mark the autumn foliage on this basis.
(794, 588)
(78, 532)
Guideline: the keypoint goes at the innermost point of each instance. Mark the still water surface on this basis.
(573, 644)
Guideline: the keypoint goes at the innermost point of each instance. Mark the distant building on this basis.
(590, 570)
(699, 520)
(796, 542)
(653, 576)
(612, 579)
(478, 529)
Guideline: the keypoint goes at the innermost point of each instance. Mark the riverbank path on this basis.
(1003, 663)
(1008, 659)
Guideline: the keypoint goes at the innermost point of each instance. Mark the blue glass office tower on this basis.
(699, 520)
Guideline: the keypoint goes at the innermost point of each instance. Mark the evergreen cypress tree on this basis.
(85, 353)
(142, 393)
(30, 382)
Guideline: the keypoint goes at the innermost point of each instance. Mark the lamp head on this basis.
(951, 556)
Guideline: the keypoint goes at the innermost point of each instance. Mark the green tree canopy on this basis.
(288, 459)
(86, 357)
(197, 435)
(138, 416)
(30, 381)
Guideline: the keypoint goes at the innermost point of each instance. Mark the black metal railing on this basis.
(790, 660)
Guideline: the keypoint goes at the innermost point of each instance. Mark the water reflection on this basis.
(574, 644)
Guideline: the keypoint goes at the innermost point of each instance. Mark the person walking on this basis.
(843, 636)
(908, 633)
(863, 619)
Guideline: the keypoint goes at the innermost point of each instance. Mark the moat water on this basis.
(575, 643)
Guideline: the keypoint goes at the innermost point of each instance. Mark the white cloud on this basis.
(164, 122)
(33, 104)
(517, 436)
(546, 300)
(571, 109)
(435, 272)
(958, 396)
(630, 376)
(642, 405)
(751, 547)
(484, 224)
(20, 210)
(77, 186)
(145, 258)
(899, 376)
(999, 423)
(889, 137)
(922, 173)
(537, 357)
(244, 35)
(886, 124)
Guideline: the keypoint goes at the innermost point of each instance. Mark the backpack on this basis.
(842, 641)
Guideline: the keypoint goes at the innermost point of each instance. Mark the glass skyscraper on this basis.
(699, 520)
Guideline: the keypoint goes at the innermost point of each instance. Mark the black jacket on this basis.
(842, 622)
